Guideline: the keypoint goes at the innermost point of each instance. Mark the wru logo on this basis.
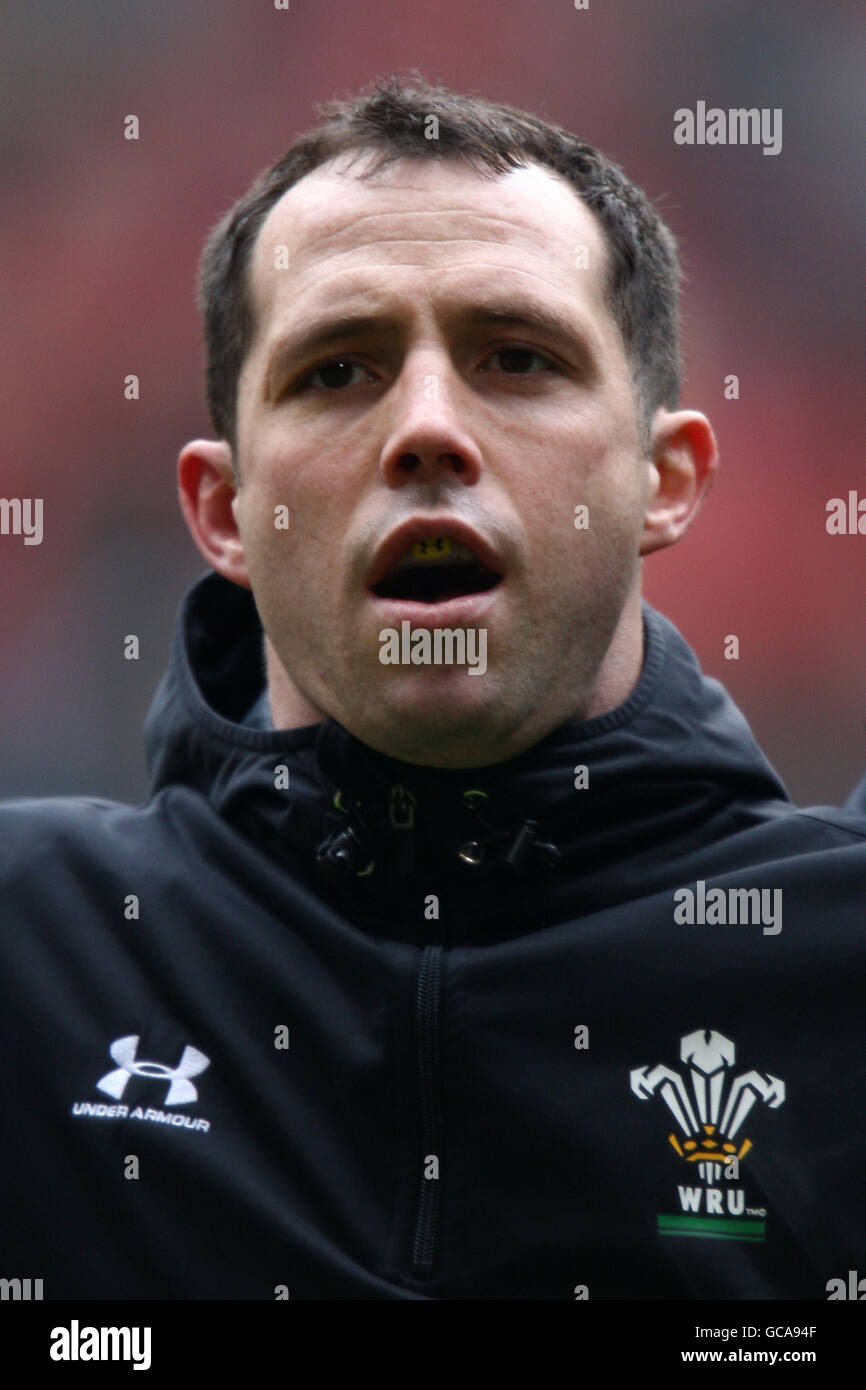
(181, 1090)
(711, 1116)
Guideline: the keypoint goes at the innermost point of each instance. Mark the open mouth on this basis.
(436, 582)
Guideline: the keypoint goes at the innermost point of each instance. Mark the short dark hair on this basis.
(392, 120)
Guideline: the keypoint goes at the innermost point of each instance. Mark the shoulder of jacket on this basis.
(41, 833)
(850, 825)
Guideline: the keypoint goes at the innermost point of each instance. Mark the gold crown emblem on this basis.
(705, 1147)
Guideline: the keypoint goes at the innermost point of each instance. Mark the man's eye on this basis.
(517, 361)
(335, 374)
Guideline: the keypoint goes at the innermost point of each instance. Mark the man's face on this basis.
(488, 385)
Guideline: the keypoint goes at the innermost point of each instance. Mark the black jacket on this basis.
(390, 1032)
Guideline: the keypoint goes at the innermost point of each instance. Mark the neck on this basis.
(289, 708)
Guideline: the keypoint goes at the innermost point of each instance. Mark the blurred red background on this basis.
(100, 238)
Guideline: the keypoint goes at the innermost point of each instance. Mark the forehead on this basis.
(333, 233)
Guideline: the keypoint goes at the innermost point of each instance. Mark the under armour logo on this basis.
(181, 1090)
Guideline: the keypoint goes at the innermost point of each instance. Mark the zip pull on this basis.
(526, 840)
(340, 855)
(401, 813)
(345, 851)
(514, 850)
(474, 852)
(401, 808)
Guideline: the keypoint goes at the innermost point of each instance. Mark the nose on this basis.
(427, 439)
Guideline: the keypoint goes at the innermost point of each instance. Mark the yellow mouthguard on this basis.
(432, 548)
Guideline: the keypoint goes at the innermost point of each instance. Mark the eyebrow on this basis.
(505, 312)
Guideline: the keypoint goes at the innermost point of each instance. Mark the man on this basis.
(467, 946)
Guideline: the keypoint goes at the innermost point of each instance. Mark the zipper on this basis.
(428, 1001)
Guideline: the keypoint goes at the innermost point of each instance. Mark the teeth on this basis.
(433, 548)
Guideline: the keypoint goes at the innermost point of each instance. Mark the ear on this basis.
(206, 488)
(684, 464)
